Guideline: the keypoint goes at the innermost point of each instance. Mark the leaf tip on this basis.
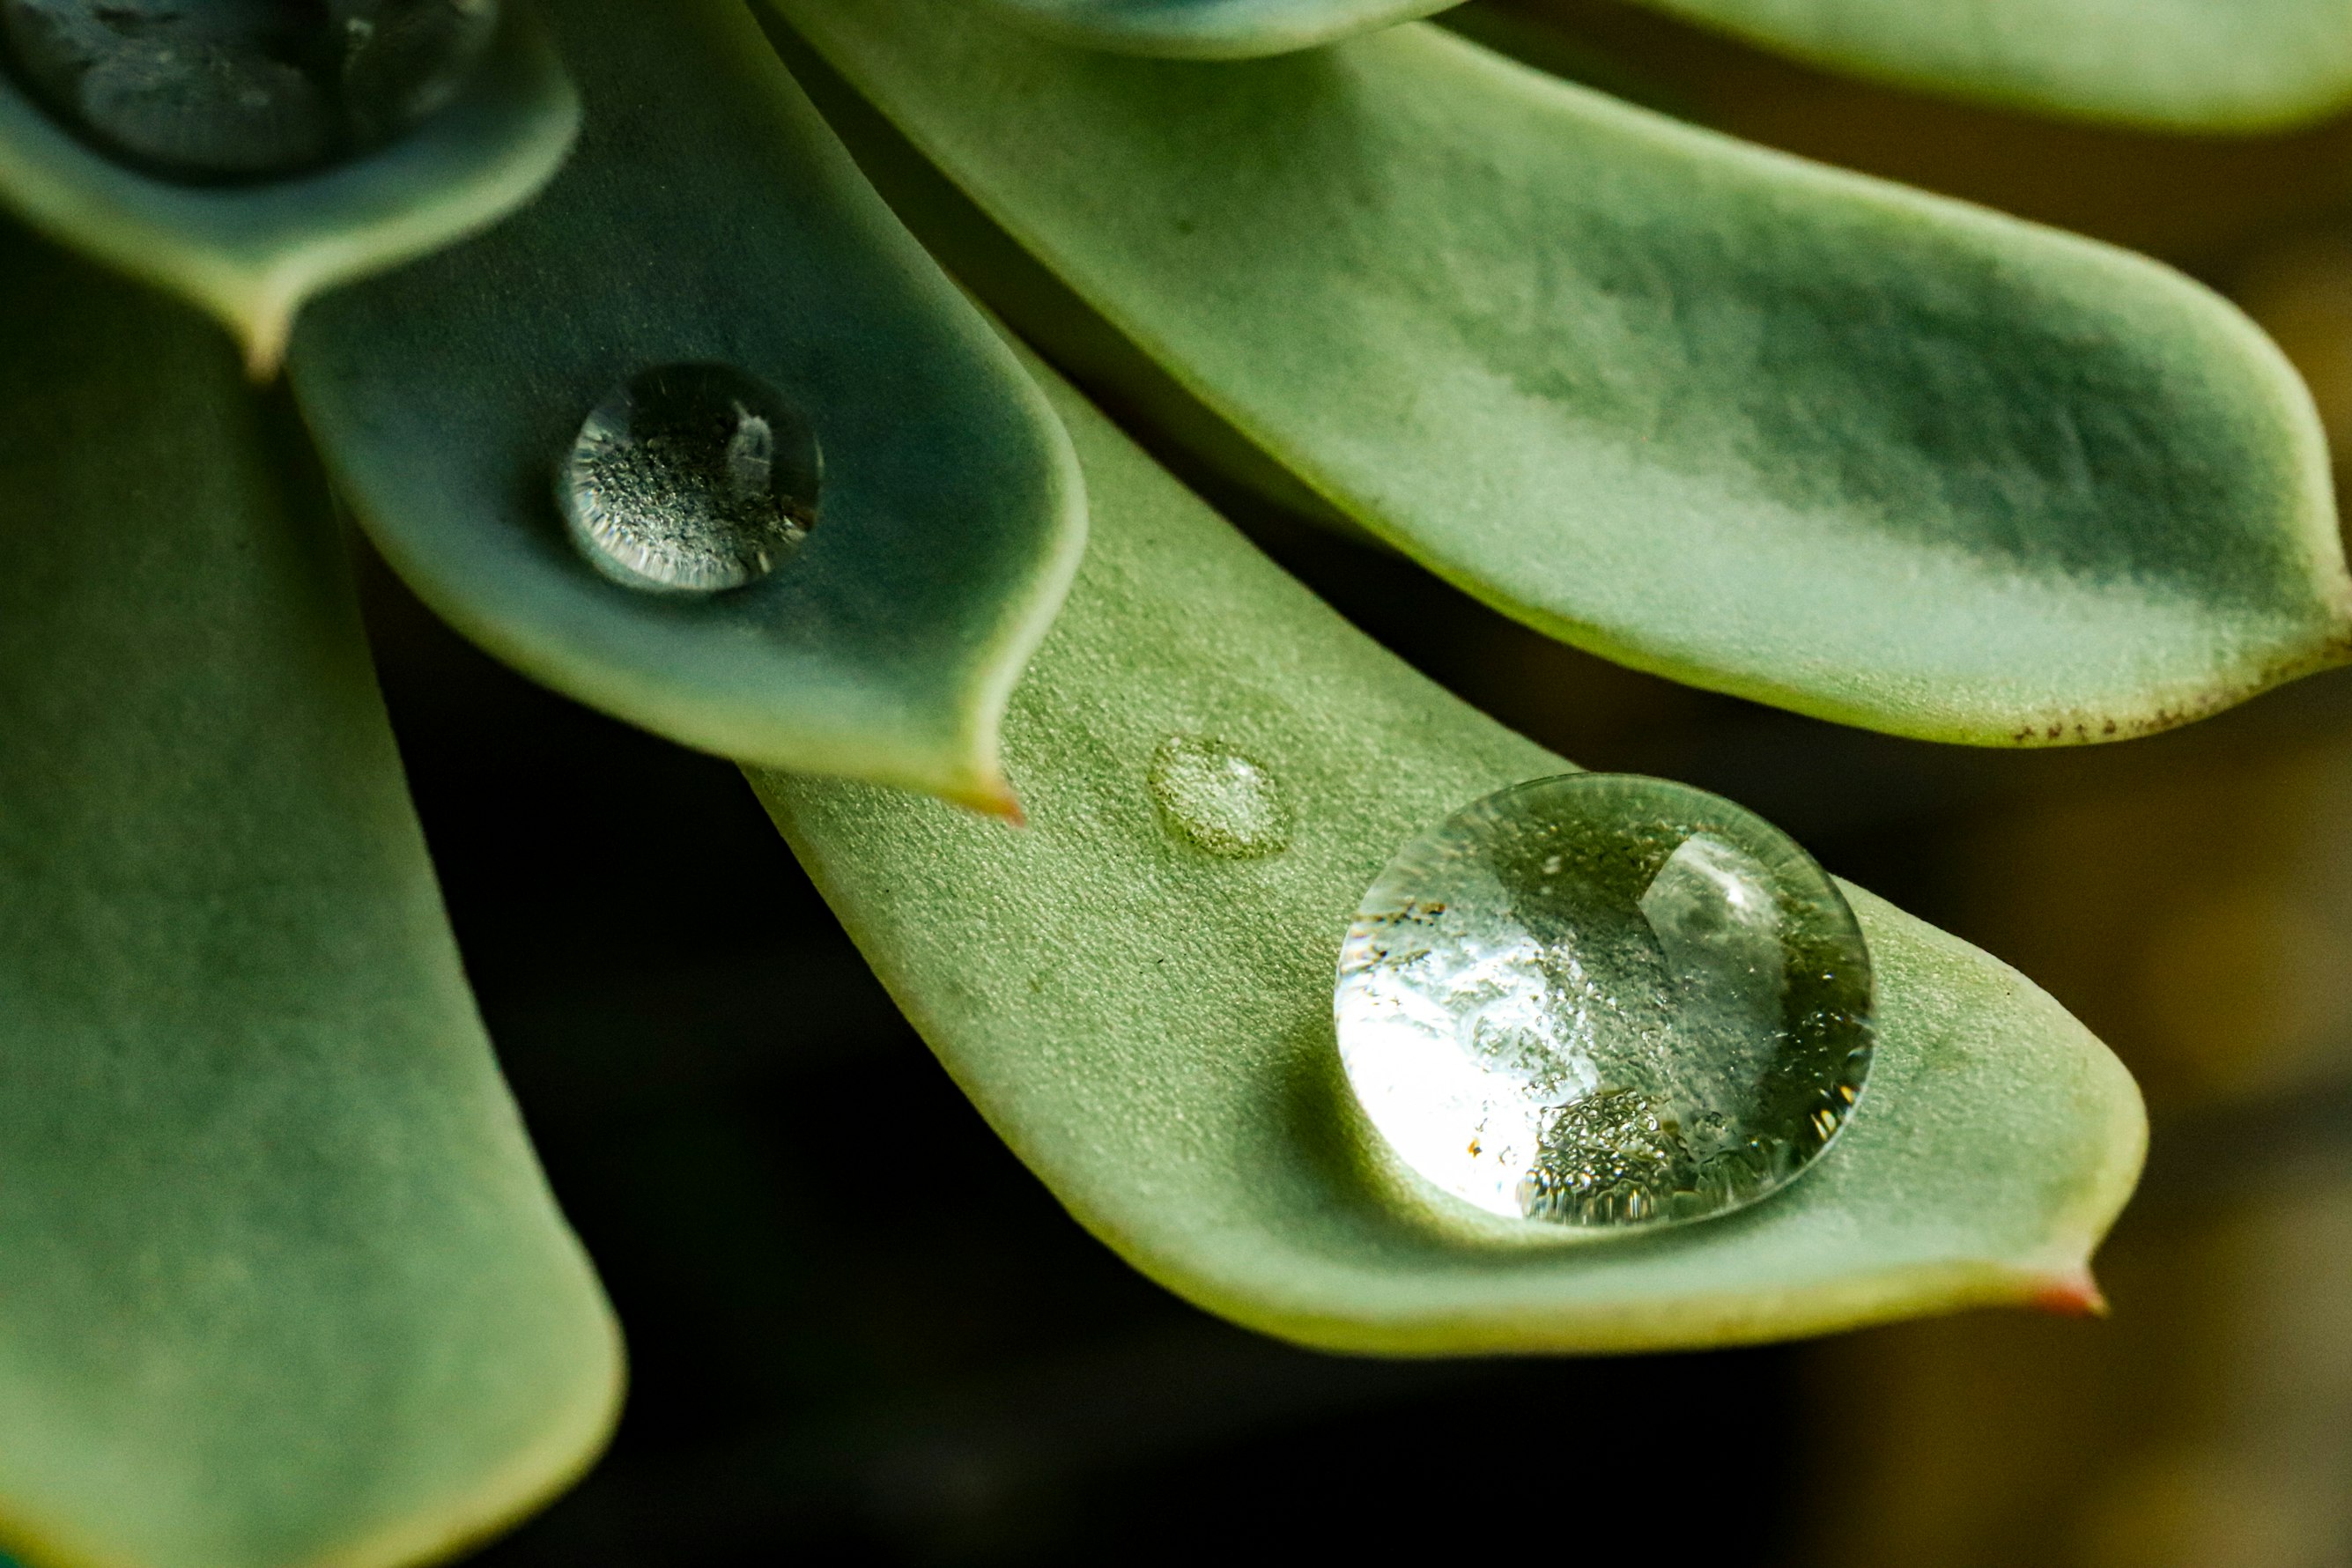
(992, 795)
(2070, 1294)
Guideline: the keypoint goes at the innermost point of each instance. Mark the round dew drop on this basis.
(1605, 1001)
(690, 478)
(1218, 800)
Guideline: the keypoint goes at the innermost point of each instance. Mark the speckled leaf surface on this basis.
(2186, 65)
(1712, 411)
(252, 253)
(280, 1282)
(1150, 1025)
(1212, 29)
(710, 215)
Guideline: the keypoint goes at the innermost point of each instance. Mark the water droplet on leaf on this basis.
(690, 478)
(1604, 1000)
(244, 89)
(1219, 800)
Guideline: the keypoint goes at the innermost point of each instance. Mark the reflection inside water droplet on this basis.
(691, 477)
(240, 88)
(1605, 1001)
(1219, 800)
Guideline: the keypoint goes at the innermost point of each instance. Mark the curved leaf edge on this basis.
(1211, 29)
(250, 256)
(1190, 411)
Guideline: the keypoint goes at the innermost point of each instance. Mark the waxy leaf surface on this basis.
(2186, 65)
(711, 216)
(1150, 1025)
(1212, 29)
(280, 1282)
(1712, 411)
(252, 253)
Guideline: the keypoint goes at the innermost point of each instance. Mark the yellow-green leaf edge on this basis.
(1150, 1027)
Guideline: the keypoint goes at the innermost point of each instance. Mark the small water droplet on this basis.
(244, 89)
(1603, 1001)
(690, 478)
(1218, 799)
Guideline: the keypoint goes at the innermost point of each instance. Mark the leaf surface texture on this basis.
(1150, 1025)
(280, 1282)
(1712, 411)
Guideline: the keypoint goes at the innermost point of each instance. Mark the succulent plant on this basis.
(593, 324)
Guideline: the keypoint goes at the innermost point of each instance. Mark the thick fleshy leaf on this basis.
(1150, 1025)
(1712, 411)
(711, 216)
(280, 1283)
(1213, 29)
(2188, 65)
(252, 253)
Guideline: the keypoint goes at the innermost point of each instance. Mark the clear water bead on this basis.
(1604, 1000)
(244, 89)
(1219, 800)
(690, 478)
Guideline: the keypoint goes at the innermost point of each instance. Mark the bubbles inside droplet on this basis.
(1219, 800)
(690, 478)
(241, 89)
(1603, 1000)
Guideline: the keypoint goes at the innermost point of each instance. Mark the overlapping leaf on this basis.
(711, 216)
(252, 253)
(2191, 65)
(1712, 411)
(1213, 29)
(280, 1283)
(1150, 1025)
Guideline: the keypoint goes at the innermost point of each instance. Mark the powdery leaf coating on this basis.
(1150, 1027)
(1714, 412)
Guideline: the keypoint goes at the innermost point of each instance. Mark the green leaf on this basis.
(2184, 65)
(710, 215)
(251, 254)
(1150, 1025)
(280, 1283)
(1212, 29)
(1711, 411)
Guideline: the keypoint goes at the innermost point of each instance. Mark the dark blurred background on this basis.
(920, 1359)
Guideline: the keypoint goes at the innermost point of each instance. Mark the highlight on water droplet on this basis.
(1219, 800)
(244, 89)
(690, 478)
(1605, 1001)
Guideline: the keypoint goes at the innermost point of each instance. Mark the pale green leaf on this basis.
(1712, 411)
(1212, 29)
(252, 253)
(710, 215)
(1150, 1025)
(280, 1282)
(2185, 65)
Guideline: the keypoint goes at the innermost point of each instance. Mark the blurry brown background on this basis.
(924, 1361)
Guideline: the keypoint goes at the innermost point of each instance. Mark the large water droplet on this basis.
(1218, 799)
(1603, 1001)
(243, 89)
(690, 478)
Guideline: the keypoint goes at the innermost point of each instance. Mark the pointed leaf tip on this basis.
(1150, 1024)
(710, 226)
(251, 253)
(1756, 423)
(2074, 1294)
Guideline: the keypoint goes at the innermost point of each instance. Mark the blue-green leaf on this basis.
(1212, 29)
(1712, 411)
(711, 216)
(280, 1283)
(251, 253)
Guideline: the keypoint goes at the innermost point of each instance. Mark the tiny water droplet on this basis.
(1603, 1001)
(690, 478)
(1218, 799)
(244, 89)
